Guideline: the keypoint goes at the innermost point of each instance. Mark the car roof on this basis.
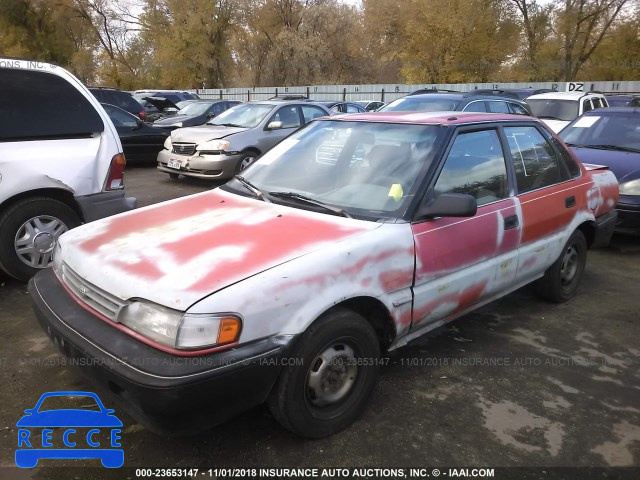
(564, 95)
(613, 111)
(433, 118)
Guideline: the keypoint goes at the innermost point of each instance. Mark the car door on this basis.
(290, 118)
(461, 262)
(548, 199)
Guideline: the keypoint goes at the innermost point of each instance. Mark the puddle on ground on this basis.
(516, 426)
(618, 454)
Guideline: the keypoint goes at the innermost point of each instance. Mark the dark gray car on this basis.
(234, 139)
(196, 113)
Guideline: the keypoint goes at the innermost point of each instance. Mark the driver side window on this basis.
(288, 116)
(475, 166)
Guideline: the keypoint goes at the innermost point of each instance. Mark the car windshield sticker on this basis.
(586, 122)
(396, 192)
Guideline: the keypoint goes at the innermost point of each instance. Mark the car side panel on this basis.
(463, 261)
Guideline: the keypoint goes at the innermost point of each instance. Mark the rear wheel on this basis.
(561, 280)
(29, 230)
(334, 368)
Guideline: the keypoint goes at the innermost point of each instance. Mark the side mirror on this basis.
(274, 125)
(449, 205)
(210, 115)
(138, 125)
(29, 411)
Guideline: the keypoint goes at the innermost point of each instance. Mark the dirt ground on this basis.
(520, 382)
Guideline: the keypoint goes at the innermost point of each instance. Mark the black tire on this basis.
(561, 280)
(174, 176)
(12, 221)
(247, 159)
(295, 403)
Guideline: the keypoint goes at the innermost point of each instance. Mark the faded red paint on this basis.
(393, 280)
(464, 299)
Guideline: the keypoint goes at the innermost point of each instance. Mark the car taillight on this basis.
(115, 179)
(143, 115)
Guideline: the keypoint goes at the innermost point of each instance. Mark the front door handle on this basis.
(511, 222)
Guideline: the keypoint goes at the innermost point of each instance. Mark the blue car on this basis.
(36, 433)
(611, 137)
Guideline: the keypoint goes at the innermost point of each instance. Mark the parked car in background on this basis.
(370, 105)
(519, 93)
(611, 137)
(623, 100)
(558, 109)
(172, 96)
(197, 112)
(140, 142)
(331, 264)
(171, 111)
(120, 99)
(438, 100)
(342, 107)
(61, 163)
(234, 139)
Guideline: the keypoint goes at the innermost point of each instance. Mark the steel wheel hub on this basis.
(569, 265)
(36, 238)
(332, 375)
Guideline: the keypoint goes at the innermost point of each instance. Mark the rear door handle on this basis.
(570, 201)
(511, 222)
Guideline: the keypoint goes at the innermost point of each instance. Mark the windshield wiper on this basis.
(252, 188)
(548, 117)
(611, 147)
(227, 125)
(310, 201)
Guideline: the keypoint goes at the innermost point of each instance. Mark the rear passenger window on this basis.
(309, 113)
(37, 105)
(587, 107)
(535, 161)
(475, 166)
(498, 107)
(518, 109)
(475, 107)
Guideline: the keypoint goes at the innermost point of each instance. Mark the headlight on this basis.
(630, 188)
(214, 146)
(179, 330)
(167, 143)
(57, 259)
(177, 124)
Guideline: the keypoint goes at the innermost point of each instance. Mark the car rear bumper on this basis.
(105, 204)
(201, 166)
(605, 226)
(165, 393)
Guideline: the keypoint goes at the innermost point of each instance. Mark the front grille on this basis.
(184, 148)
(101, 301)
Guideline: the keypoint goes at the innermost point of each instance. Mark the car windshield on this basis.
(66, 402)
(554, 109)
(246, 115)
(421, 104)
(620, 130)
(365, 169)
(195, 108)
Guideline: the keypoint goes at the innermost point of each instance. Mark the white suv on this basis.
(558, 109)
(61, 162)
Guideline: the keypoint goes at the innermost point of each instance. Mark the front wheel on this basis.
(245, 161)
(561, 280)
(334, 370)
(29, 230)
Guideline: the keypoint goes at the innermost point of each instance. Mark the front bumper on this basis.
(201, 166)
(104, 204)
(628, 215)
(165, 393)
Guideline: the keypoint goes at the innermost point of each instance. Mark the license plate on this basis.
(174, 164)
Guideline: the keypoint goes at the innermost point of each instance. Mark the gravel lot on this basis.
(520, 382)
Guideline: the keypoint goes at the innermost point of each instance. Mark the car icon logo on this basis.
(82, 291)
(69, 433)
